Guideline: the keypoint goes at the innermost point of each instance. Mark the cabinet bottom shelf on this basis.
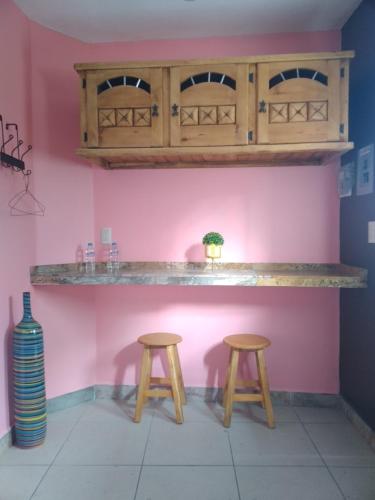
(217, 156)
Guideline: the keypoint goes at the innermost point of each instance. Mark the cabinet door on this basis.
(209, 105)
(124, 108)
(298, 102)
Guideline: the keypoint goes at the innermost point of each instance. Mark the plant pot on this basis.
(213, 251)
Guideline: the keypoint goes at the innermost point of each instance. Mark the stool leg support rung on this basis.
(144, 383)
(173, 363)
(233, 366)
(265, 387)
(180, 377)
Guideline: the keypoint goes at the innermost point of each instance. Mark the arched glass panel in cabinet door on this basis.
(299, 101)
(124, 108)
(209, 105)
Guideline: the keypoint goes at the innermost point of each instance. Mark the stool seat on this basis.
(159, 339)
(175, 383)
(247, 342)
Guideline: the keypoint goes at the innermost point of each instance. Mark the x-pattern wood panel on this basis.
(318, 111)
(226, 115)
(124, 117)
(189, 115)
(142, 117)
(298, 112)
(107, 118)
(279, 113)
(207, 115)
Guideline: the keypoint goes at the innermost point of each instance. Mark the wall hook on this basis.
(29, 148)
(8, 160)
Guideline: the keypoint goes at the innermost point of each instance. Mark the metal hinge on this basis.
(250, 135)
(342, 72)
(342, 128)
(84, 136)
(251, 77)
(84, 83)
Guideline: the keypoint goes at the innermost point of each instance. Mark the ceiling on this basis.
(125, 20)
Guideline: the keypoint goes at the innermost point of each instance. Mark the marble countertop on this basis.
(204, 274)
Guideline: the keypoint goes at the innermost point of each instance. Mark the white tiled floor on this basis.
(95, 452)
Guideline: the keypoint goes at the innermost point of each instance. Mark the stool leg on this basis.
(259, 381)
(231, 387)
(144, 383)
(227, 379)
(265, 387)
(180, 377)
(175, 383)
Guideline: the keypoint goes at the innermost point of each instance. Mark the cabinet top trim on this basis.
(349, 54)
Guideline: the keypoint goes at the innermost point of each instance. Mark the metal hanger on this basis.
(24, 202)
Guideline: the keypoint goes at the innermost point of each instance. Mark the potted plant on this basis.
(213, 243)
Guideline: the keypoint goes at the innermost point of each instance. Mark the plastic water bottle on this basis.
(108, 258)
(90, 258)
(113, 263)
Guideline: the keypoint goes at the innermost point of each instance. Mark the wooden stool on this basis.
(253, 343)
(175, 381)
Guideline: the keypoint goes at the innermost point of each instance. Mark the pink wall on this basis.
(64, 184)
(17, 233)
(265, 214)
(30, 96)
(301, 324)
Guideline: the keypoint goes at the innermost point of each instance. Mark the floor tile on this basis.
(255, 413)
(187, 483)
(320, 415)
(191, 443)
(287, 444)
(88, 483)
(57, 434)
(196, 410)
(105, 443)
(110, 410)
(68, 414)
(356, 483)
(341, 444)
(18, 482)
(291, 483)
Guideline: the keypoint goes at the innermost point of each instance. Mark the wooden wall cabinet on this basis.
(289, 109)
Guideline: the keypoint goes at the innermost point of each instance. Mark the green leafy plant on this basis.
(213, 239)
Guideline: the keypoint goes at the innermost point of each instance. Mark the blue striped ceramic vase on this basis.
(29, 384)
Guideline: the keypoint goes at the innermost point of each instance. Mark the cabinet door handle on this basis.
(154, 110)
(174, 110)
(262, 107)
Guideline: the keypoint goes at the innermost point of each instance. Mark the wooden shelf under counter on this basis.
(204, 274)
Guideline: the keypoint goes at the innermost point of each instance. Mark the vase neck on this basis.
(26, 306)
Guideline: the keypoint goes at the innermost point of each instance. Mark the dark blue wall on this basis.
(357, 307)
